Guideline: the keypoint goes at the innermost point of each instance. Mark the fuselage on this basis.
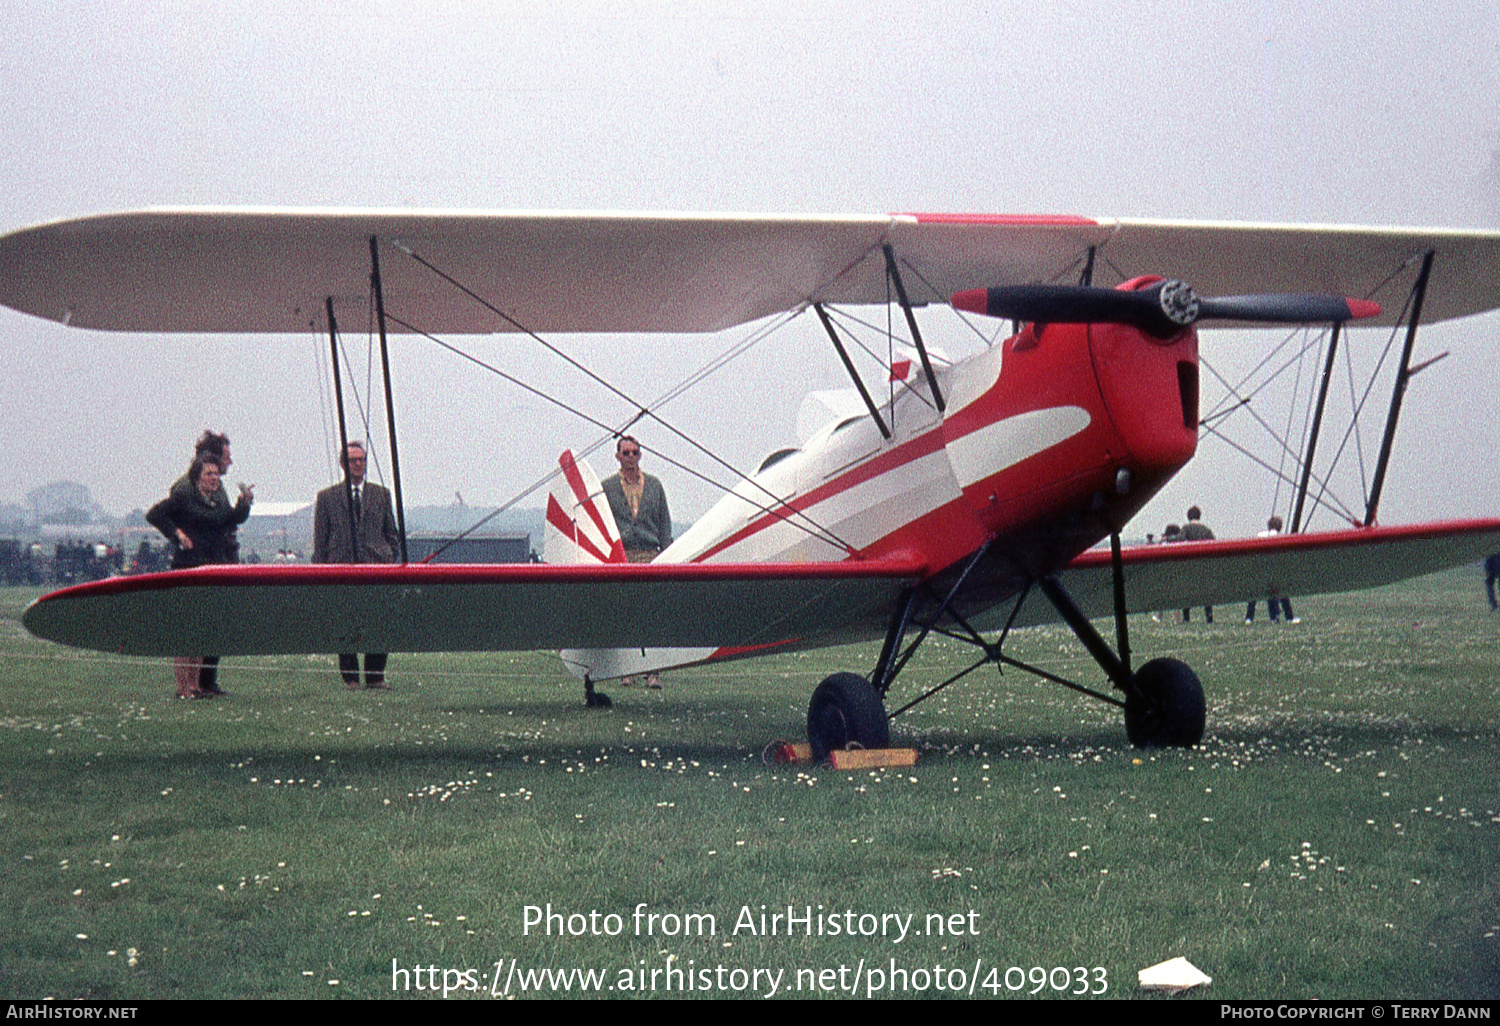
(1050, 441)
(1061, 423)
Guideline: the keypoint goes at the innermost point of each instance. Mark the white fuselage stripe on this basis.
(997, 447)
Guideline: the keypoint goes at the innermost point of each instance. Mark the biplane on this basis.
(967, 501)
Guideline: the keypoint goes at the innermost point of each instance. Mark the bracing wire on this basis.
(1210, 422)
(1357, 405)
(611, 431)
(1236, 397)
(1291, 409)
(1332, 502)
(793, 516)
(713, 366)
(326, 416)
(1307, 412)
(846, 318)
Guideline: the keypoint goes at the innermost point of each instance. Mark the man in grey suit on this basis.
(356, 509)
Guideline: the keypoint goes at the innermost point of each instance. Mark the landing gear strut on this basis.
(1164, 705)
(1163, 701)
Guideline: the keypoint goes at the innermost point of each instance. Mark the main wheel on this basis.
(1167, 710)
(844, 709)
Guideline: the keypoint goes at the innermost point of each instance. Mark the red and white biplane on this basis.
(966, 503)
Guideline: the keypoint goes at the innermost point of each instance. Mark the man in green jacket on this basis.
(639, 504)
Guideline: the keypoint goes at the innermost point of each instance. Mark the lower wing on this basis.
(1183, 574)
(258, 610)
(724, 608)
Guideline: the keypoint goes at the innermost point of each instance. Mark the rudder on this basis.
(580, 526)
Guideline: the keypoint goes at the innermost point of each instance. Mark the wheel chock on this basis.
(786, 753)
(870, 758)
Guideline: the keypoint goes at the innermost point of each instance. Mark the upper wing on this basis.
(1183, 574)
(271, 270)
(264, 610)
(1220, 259)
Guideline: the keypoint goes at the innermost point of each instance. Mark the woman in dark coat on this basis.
(200, 523)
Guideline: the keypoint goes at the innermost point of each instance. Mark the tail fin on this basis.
(580, 526)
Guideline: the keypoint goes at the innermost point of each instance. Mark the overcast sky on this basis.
(1262, 111)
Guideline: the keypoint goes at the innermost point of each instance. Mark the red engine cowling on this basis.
(1075, 412)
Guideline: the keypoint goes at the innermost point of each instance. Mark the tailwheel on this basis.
(845, 708)
(1166, 708)
(594, 699)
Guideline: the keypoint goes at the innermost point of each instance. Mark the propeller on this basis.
(1161, 309)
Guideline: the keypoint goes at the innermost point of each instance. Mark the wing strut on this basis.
(1317, 423)
(864, 393)
(390, 406)
(1087, 275)
(894, 274)
(338, 404)
(1403, 374)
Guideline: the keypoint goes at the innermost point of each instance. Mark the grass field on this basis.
(1336, 835)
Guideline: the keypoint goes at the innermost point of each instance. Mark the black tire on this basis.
(844, 709)
(1167, 710)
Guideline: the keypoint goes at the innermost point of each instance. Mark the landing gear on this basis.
(1166, 708)
(1162, 702)
(846, 708)
(1164, 705)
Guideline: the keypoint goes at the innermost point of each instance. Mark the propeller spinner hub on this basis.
(1179, 303)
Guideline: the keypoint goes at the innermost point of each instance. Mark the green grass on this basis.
(1337, 834)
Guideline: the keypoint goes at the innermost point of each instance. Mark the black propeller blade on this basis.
(1162, 309)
